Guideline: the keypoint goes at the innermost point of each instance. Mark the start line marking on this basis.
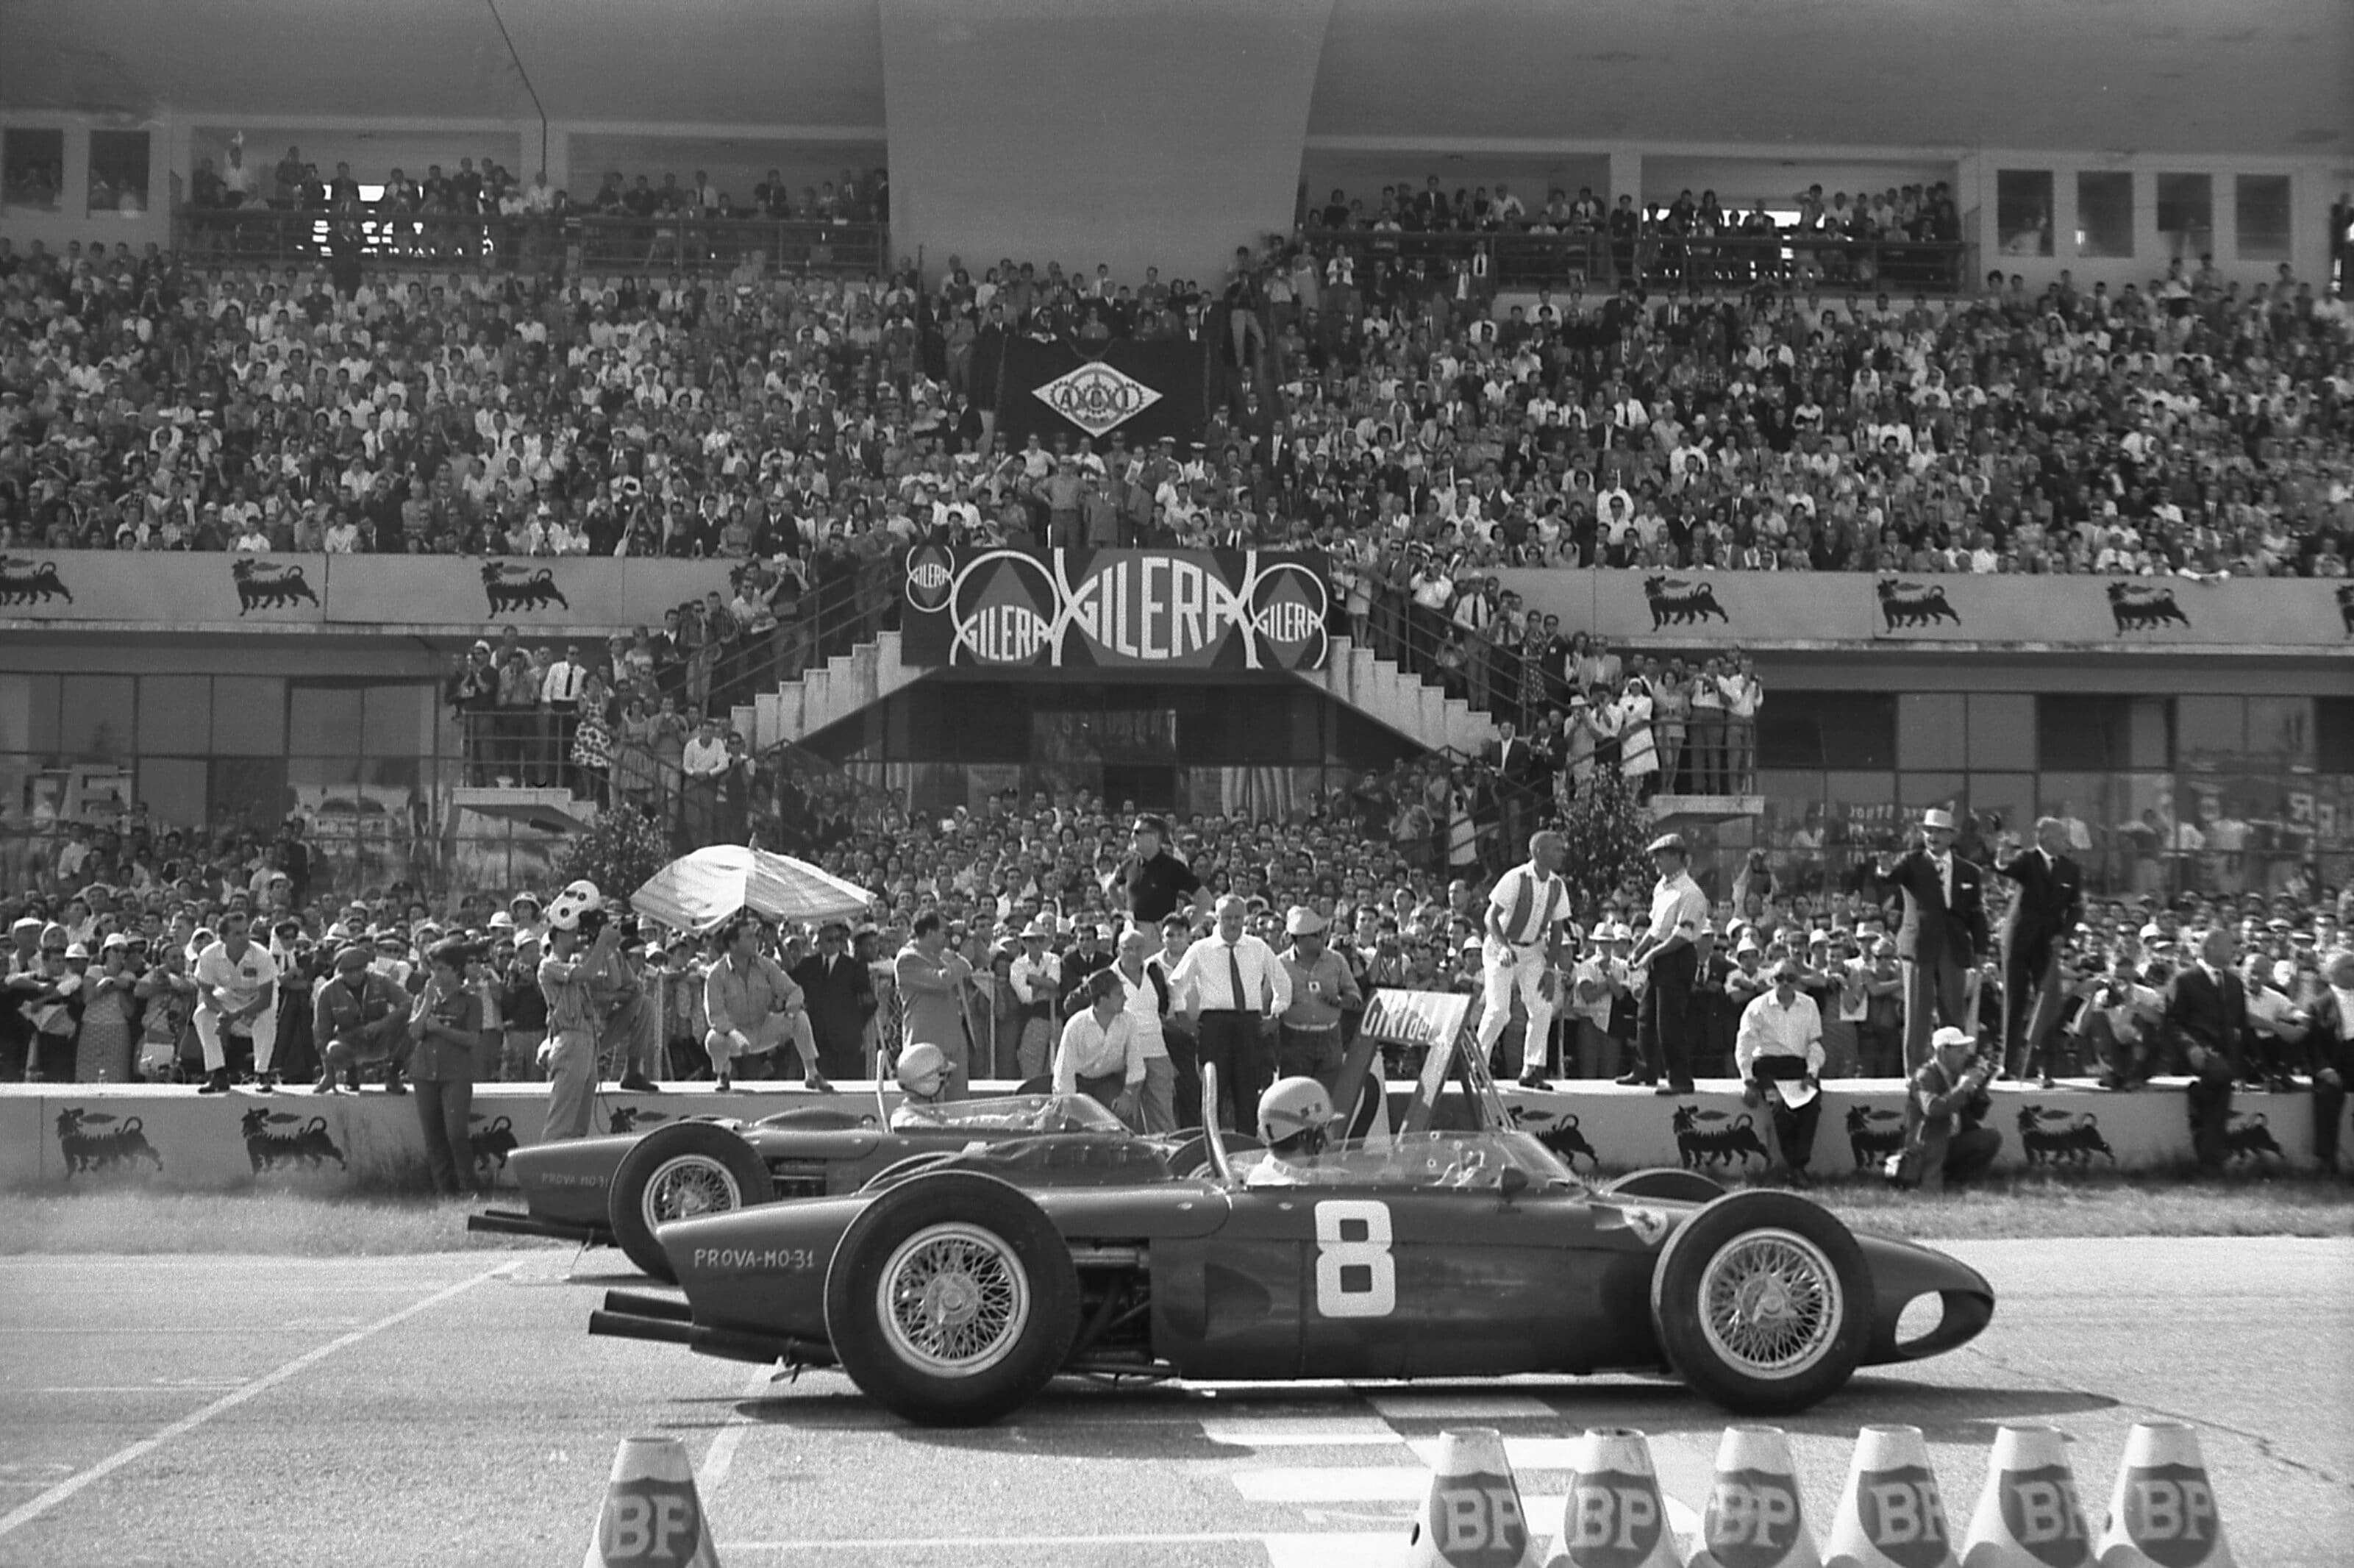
(27, 1512)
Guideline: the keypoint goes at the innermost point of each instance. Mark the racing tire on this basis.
(1668, 1182)
(951, 1300)
(1763, 1303)
(689, 1167)
(898, 1171)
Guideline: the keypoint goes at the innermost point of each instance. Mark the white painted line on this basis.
(1334, 1483)
(1441, 1405)
(1525, 1453)
(1300, 1431)
(721, 1457)
(1346, 1547)
(27, 1512)
(1350, 1549)
(137, 1388)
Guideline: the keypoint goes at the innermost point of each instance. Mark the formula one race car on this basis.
(952, 1294)
(617, 1189)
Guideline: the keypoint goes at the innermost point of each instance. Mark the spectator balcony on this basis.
(1526, 261)
(578, 242)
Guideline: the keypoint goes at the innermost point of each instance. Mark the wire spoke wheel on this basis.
(690, 1184)
(1770, 1303)
(953, 1299)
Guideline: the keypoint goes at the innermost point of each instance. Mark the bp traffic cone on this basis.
(1471, 1516)
(2028, 1517)
(2163, 1513)
(1614, 1516)
(1753, 1517)
(652, 1517)
(1890, 1515)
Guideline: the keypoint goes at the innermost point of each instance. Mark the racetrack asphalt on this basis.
(450, 1409)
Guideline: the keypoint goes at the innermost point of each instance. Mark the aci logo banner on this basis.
(1096, 398)
(1206, 610)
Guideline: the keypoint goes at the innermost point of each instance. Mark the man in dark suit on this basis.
(1943, 937)
(2207, 1021)
(2035, 933)
(841, 998)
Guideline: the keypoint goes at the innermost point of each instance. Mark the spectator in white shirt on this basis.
(1235, 985)
(1100, 1055)
(559, 701)
(1778, 1054)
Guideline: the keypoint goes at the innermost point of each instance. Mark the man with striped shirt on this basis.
(1521, 950)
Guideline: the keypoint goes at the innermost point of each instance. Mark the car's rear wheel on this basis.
(951, 1300)
(678, 1172)
(1763, 1302)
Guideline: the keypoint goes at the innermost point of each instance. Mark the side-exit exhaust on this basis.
(631, 1317)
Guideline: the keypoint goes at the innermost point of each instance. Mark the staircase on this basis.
(1404, 702)
(846, 684)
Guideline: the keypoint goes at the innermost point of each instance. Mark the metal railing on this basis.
(573, 243)
(1703, 755)
(1523, 260)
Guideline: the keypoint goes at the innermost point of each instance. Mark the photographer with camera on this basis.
(1943, 1145)
(568, 979)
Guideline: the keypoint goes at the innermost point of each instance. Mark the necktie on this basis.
(1234, 970)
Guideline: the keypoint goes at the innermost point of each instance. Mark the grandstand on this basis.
(729, 370)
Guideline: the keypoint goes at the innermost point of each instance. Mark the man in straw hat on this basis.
(1944, 936)
(1671, 950)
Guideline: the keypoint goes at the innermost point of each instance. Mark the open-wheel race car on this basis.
(952, 1293)
(616, 1189)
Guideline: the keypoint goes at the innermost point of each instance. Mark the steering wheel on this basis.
(1466, 1170)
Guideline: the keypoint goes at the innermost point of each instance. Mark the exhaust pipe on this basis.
(631, 1304)
(627, 1326)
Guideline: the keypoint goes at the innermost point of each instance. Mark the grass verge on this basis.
(278, 1223)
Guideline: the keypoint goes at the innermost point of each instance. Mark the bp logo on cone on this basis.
(2040, 1510)
(1612, 1520)
(1752, 1520)
(1475, 1521)
(2169, 1513)
(1903, 1516)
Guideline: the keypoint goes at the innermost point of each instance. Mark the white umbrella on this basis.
(696, 892)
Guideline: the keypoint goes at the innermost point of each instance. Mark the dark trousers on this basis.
(1309, 1053)
(1233, 1045)
(443, 1106)
(1971, 1154)
(2031, 1005)
(1794, 1131)
(1663, 1029)
(2209, 1101)
(1185, 1064)
(1936, 992)
(2328, 1112)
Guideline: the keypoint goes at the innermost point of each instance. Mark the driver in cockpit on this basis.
(923, 1075)
(1295, 1116)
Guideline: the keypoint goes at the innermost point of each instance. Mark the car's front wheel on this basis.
(951, 1300)
(678, 1172)
(1763, 1302)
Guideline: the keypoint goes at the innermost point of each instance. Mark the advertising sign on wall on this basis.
(1116, 610)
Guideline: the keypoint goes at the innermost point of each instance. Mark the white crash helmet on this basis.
(564, 910)
(1293, 1116)
(922, 1071)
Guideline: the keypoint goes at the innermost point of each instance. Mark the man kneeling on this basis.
(1941, 1149)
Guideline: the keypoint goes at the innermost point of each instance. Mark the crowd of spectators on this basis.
(1389, 412)
(102, 984)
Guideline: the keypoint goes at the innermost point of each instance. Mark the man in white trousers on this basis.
(1521, 950)
(237, 993)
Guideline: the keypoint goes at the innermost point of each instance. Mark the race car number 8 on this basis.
(1355, 1276)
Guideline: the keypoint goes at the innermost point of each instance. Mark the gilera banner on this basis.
(1143, 390)
(1116, 610)
(1857, 609)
